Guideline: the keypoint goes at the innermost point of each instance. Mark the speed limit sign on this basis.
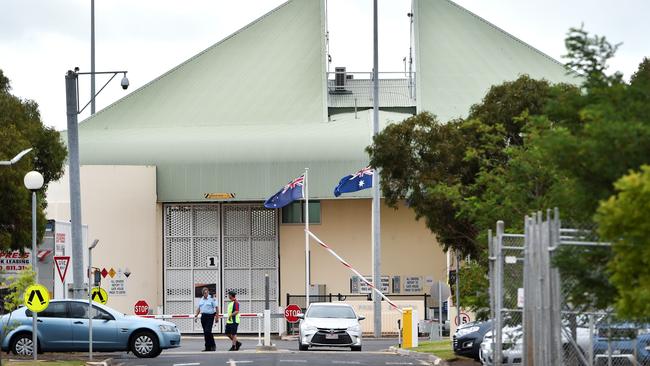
(463, 318)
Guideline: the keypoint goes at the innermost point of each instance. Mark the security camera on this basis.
(124, 82)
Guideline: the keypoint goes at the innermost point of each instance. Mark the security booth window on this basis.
(54, 310)
(294, 213)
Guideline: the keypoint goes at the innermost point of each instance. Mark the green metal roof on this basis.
(252, 161)
(460, 55)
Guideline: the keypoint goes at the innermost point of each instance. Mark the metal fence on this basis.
(354, 89)
(536, 320)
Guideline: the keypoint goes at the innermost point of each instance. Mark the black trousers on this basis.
(207, 320)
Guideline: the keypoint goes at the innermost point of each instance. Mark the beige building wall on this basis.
(119, 206)
(408, 247)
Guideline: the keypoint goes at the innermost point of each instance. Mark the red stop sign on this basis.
(291, 313)
(141, 308)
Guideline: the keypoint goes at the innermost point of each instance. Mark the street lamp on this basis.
(90, 298)
(16, 158)
(72, 109)
(34, 182)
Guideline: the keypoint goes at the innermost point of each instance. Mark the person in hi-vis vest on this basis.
(232, 320)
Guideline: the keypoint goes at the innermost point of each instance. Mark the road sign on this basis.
(99, 295)
(141, 308)
(37, 298)
(291, 313)
(463, 318)
(61, 263)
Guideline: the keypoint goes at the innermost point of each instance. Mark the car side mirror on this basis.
(361, 317)
(300, 316)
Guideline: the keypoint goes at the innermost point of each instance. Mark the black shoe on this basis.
(232, 348)
(207, 350)
(238, 346)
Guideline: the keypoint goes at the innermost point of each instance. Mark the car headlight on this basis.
(644, 331)
(355, 328)
(465, 331)
(309, 328)
(167, 328)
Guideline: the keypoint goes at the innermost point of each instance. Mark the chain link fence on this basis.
(544, 317)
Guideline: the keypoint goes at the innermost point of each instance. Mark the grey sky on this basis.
(41, 39)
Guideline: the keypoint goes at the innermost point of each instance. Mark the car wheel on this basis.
(302, 347)
(356, 348)
(22, 345)
(145, 345)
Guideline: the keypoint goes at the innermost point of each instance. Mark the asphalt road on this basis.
(374, 353)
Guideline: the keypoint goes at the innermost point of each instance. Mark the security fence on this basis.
(541, 317)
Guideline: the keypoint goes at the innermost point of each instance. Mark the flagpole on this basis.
(376, 234)
(307, 269)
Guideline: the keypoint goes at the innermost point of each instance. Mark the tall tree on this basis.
(21, 128)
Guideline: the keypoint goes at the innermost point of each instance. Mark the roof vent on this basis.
(339, 78)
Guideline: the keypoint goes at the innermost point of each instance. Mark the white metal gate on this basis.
(250, 250)
(201, 239)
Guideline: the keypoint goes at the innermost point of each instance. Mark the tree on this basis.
(20, 128)
(623, 219)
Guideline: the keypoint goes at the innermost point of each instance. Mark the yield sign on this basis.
(61, 263)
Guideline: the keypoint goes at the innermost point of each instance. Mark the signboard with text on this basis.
(357, 286)
(12, 262)
(413, 284)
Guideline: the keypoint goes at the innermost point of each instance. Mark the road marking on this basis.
(347, 362)
(187, 364)
(294, 361)
(232, 362)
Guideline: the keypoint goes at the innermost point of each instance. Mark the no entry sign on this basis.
(141, 308)
(291, 313)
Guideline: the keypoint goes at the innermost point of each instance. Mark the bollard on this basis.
(267, 328)
(407, 326)
(259, 331)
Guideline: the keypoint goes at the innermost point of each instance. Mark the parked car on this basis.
(625, 341)
(513, 342)
(63, 327)
(331, 325)
(468, 337)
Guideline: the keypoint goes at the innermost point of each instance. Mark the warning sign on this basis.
(61, 263)
(117, 287)
(37, 298)
(99, 295)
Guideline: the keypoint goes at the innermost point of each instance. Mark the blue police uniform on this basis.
(208, 308)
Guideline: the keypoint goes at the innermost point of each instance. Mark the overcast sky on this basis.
(41, 39)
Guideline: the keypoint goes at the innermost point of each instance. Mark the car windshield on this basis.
(341, 312)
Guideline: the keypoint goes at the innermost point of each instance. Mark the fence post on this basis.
(527, 313)
(497, 355)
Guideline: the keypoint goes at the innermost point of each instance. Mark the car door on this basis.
(104, 328)
(54, 327)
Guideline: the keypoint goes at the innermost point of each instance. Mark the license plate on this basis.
(331, 336)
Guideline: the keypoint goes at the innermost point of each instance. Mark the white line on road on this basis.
(187, 364)
(232, 362)
(294, 361)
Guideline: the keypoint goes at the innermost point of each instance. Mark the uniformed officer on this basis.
(208, 309)
(232, 320)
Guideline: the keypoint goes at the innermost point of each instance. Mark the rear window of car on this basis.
(339, 312)
(54, 310)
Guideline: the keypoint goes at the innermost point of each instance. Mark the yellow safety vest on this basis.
(229, 320)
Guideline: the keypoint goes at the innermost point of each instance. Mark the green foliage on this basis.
(21, 128)
(17, 285)
(623, 219)
(589, 54)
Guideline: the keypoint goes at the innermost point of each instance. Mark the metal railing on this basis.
(354, 89)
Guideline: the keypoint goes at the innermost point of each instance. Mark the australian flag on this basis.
(289, 193)
(355, 182)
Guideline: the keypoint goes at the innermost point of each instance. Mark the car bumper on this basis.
(326, 339)
(170, 340)
(467, 346)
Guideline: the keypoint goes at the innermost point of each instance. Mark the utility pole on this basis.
(92, 57)
(75, 186)
(376, 197)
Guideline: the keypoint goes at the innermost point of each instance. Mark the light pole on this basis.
(90, 298)
(72, 109)
(34, 181)
(16, 158)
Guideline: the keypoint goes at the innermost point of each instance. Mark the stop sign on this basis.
(141, 308)
(291, 313)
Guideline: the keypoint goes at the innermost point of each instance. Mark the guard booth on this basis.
(222, 247)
